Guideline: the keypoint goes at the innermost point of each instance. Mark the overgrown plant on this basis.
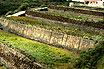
(21, 8)
(88, 60)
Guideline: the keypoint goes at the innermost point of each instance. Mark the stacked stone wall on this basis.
(13, 58)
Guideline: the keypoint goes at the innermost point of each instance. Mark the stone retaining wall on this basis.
(12, 58)
(49, 37)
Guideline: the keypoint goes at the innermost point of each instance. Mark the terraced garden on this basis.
(47, 55)
(53, 57)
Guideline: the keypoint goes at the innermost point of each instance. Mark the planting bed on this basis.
(79, 10)
(65, 15)
(44, 54)
(63, 19)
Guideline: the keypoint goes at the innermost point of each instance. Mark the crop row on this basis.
(65, 15)
(78, 10)
(62, 19)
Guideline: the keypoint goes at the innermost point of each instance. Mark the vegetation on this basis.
(36, 0)
(70, 16)
(21, 8)
(43, 5)
(8, 7)
(48, 55)
(2, 67)
(82, 8)
(89, 59)
(100, 63)
(11, 5)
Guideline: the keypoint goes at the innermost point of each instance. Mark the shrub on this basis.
(66, 3)
(22, 7)
(9, 13)
(43, 5)
(88, 60)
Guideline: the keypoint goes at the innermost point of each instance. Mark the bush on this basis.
(43, 5)
(9, 13)
(21, 8)
(66, 3)
(88, 60)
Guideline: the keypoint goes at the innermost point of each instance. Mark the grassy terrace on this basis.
(100, 63)
(57, 28)
(48, 55)
(70, 16)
